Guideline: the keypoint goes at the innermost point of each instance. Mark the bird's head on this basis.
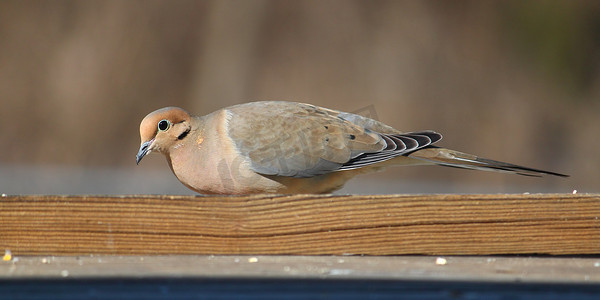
(162, 129)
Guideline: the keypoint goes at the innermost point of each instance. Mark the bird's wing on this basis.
(302, 140)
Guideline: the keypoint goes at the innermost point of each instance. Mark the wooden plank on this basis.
(301, 224)
(431, 268)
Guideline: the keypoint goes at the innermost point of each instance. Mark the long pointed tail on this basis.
(452, 158)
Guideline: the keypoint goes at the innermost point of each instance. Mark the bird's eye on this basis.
(164, 125)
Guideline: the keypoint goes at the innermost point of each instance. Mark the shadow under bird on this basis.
(287, 147)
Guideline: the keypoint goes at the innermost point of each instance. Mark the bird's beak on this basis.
(144, 149)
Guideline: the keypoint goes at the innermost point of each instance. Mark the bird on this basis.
(281, 147)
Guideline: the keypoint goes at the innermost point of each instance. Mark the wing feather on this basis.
(302, 140)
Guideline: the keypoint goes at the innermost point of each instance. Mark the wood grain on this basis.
(301, 224)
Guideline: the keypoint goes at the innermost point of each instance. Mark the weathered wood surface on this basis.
(176, 277)
(431, 268)
(562, 224)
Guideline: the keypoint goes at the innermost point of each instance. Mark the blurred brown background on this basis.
(517, 81)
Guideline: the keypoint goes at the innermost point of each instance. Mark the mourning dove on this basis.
(288, 147)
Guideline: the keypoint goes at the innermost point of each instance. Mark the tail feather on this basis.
(452, 158)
